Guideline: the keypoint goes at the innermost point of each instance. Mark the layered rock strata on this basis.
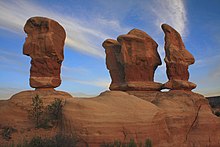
(132, 61)
(177, 61)
(44, 44)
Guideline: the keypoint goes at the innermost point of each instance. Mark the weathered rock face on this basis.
(44, 44)
(174, 118)
(177, 60)
(114, 64)
(15, 113)
(134, 56)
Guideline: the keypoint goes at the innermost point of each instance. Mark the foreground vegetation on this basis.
(59, 140)
(47, 117)
(70, 141)
(131, 143)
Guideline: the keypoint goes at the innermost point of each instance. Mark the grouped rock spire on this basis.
(44, 44)
(177, 61)
(132, 61)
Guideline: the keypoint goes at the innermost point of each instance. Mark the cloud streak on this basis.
(98, 82)
(14, 14)
(172, 12)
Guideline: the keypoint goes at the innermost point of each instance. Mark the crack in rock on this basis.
(194, 121)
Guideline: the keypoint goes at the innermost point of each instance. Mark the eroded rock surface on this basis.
(175, 118)
(177, 60)
(44, 44)
(114, 64)
(134, 56)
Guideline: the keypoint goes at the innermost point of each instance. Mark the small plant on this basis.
(131, 143)
(7, 131)
(148, 143)
(37, 142)
(55, 109)
(44, 117)
(36, 113)
(59, 140)
(217, 113)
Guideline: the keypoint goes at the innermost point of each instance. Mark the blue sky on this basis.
(89, 22)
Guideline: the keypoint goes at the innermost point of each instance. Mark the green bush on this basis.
(7, 131)
(217, 113)
(116, 143)
(131, 143)
(59, 140)
(55, 109)
(44, 117)
(37, 110)
(148, 143)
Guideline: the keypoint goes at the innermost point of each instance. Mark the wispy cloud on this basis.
(7, 92)
(104, 83)
(79, 70)
(14, 14)
(172, 12)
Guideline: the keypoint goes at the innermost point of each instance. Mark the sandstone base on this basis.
(179, 85)
(168, 119)
(24, 98)
(137, 86)
(118, 86)
(45, 82)
(174, 118)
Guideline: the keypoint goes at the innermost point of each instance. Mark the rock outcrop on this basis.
(114, 64)
(174, 118)
(44, 44)
(177, 61)
(132, 61)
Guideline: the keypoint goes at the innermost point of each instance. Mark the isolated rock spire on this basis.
(135, 58)
(44, 44)
(177, 61)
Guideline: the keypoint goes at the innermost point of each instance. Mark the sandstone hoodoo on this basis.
(133, 109)
(177, 61)
(44, 44)
(135, 58)
(114, 64)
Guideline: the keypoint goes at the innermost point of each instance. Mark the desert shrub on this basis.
(148, 143)
(44, 117)
(59, 140)
(65, 140)
(55, 109)
(116, 143)
(37, 142)
(131, 143)
(7, 131)
(36, 112)
(217, 113)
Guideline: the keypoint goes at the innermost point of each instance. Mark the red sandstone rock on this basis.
(136, 61)
(44, 44)
(174, 118)
(114, 64)
(177, 60)
(139, 54)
